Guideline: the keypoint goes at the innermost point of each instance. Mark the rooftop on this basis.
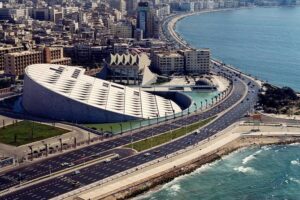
(71, 82)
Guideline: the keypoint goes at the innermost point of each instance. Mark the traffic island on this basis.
(167, 136)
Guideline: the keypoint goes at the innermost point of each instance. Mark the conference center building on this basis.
(65, 93)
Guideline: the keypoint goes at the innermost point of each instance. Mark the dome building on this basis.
(65, 93)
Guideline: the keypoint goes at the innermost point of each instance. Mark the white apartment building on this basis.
(168, 62)
(196, 60)
(162, 10)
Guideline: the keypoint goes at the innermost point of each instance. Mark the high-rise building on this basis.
(168, 62)
(47, 14)
(13, 14)
(5, 50)
(15, 63)
(119, 5)
(131, 6)
(122, 29)
(196, 60)
(147, 21)
(162, 10)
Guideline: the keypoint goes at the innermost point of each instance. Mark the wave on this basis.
(174, 189)
(294, 144)
(266, 148)
(245, 170)
(248, 158)
(294, 180)
(251, 157)
(145, 195)
(295, 162)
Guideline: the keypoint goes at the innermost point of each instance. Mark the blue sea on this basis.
(270, 172)
(262, 41)
(266, 43)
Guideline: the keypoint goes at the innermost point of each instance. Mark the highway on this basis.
(56, 186)
(36, 170)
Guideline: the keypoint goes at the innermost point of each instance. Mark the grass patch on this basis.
(167, 136)
(25, 132)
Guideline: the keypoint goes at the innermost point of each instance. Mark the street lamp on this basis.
(46, 147)
(121, 126)
(130, 126)
(75, 142)
(50, 167)
(61, 145)
(31, 151)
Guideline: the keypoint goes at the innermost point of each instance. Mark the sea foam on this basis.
(244, 170)
(294, 180)
(174, 189)
(295, 162)
(251, 157)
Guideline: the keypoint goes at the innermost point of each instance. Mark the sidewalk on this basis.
(231, 134)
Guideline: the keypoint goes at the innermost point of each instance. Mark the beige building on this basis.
(122, 30)
(5, 50)
(55, 55)
(196, 60)
(168, 62)
(15, 63)
(127, 68)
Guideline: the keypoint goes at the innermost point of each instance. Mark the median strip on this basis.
(167, 136)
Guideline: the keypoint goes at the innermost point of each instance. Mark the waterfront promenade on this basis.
(229, 111)
(236, 136)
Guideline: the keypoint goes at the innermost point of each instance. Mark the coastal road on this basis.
(53, 187)
(39, 169)
(56, 186)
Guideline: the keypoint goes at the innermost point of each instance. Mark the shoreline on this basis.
(136, 186)
(183, 43)
(179, 16)
(155, 179)
(156, 183)
(187, 168)
(235, 137)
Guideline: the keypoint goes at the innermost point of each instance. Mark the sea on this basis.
(269, 172)
(264, 42)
